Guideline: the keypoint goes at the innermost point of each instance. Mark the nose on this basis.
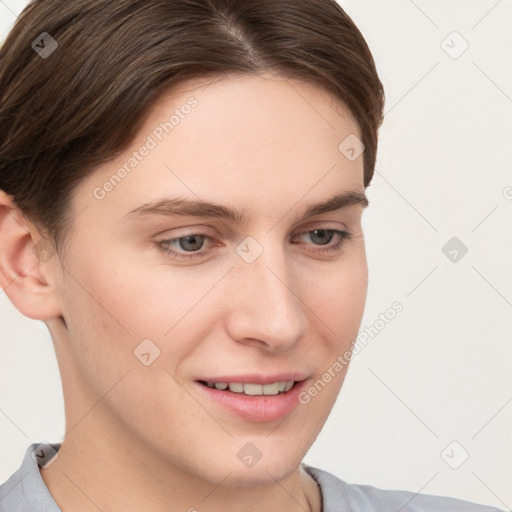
(266, 307)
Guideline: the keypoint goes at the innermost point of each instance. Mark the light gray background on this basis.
(440, 371)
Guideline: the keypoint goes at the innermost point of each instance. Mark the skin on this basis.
(143, 437)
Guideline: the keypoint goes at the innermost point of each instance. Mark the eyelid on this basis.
(165, 244)
(201, 230)
(319, 224)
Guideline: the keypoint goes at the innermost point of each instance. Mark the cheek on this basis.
(337, 296)
(105, 316)
(114, 303)
(336, 299)
(108, 318)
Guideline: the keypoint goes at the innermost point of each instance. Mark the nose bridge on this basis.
(272, 309)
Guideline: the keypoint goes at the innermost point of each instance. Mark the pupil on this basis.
(192, 238)
(323, 232)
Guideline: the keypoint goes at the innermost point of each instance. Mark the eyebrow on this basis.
(196, 208)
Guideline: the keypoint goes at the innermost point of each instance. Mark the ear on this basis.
(26, 264)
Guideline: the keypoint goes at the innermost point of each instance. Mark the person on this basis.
(182, 185)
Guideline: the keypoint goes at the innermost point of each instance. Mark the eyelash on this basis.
(165, 246)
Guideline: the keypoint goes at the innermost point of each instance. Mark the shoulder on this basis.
(340, 496)
(25, 489)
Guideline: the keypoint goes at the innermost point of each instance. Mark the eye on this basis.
(194, 242)
(325, 236)
(191, 243)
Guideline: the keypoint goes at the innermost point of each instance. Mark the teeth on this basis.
(236, 387)
(271, 389)
(253, 389)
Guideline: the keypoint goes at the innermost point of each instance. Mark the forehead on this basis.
(235, 139)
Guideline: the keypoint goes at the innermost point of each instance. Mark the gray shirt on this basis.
(25, 491)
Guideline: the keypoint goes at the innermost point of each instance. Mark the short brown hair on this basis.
(64, 115)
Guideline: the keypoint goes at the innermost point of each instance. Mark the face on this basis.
(159, 302)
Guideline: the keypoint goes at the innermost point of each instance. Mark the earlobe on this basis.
(25, 271)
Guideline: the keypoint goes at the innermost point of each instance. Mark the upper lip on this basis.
(257, 378)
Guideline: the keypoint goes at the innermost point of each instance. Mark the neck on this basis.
(95, 470)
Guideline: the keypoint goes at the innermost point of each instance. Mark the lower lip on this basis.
(261, 408)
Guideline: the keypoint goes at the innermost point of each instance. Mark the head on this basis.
(260, 109)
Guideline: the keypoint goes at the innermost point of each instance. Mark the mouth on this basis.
(271, 399)
(252, 389)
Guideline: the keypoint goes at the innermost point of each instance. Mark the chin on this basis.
(274, 465)
(260, 475)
